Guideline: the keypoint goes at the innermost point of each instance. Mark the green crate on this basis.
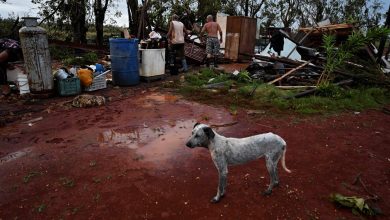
(69, 86)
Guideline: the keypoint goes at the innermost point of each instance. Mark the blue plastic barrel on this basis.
(124, 61)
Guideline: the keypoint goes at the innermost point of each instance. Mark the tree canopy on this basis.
(76, 15)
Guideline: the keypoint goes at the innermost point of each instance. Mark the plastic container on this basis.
(61, 74)
(69, 86)
(98, 82)
(22, 83)
(152, 62)
(124, 61)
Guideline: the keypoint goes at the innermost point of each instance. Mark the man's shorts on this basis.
(212, 46)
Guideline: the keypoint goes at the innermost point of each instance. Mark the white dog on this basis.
(230, 151)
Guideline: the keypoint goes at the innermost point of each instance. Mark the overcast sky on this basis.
(23, 8)
(26, 8)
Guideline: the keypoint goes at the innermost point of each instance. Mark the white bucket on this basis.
(22, 83)
(152, 62)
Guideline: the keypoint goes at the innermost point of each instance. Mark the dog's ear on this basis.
(197, 123)
(209, 132)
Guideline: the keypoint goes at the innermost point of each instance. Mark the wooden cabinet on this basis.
(240, 37)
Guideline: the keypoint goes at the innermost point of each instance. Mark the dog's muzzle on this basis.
(188, 144)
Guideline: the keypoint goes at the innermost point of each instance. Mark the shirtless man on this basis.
(212, 44)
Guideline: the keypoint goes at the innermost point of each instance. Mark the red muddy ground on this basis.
(127, 160)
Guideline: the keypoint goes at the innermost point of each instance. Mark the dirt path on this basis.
(127, 160)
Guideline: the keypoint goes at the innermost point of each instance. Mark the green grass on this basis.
(204, 76)
(328, 99)
(86, 59)
(60, 53)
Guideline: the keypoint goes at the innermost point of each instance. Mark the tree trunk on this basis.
(132, 9)
(246, 7)
(78, 14)
(99, 29)
(100, 12)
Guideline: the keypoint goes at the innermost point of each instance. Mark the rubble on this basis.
(301, 61)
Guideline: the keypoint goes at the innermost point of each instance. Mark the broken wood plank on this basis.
(311, 91)
(295, 87)
(288, 73)
(33, 120)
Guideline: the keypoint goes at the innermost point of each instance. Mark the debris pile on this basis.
(83, 101)
(315, 53)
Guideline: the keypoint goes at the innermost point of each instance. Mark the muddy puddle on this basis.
(151, 143)
(151, 100)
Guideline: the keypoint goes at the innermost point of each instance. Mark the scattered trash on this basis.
(86, 76)
(33, 120)
(255, 112)
(83, 101)
(358, 205)
(62, 73)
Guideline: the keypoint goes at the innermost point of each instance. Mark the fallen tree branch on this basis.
(358, 179)
(54, 11)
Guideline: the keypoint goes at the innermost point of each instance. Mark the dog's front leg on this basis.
(221, 165)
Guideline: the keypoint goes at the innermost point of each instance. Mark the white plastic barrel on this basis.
(152, 62)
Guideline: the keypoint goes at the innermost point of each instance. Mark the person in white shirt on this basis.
(176, 34)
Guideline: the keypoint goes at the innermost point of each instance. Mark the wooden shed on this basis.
(240, 37)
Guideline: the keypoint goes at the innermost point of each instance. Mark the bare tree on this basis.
(62, 13)
(100, 9)
(288, 11)
(311, 12)
(78, 14)
(243, 7)
(132, 9)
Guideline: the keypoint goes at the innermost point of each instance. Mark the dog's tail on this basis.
(284, 160)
